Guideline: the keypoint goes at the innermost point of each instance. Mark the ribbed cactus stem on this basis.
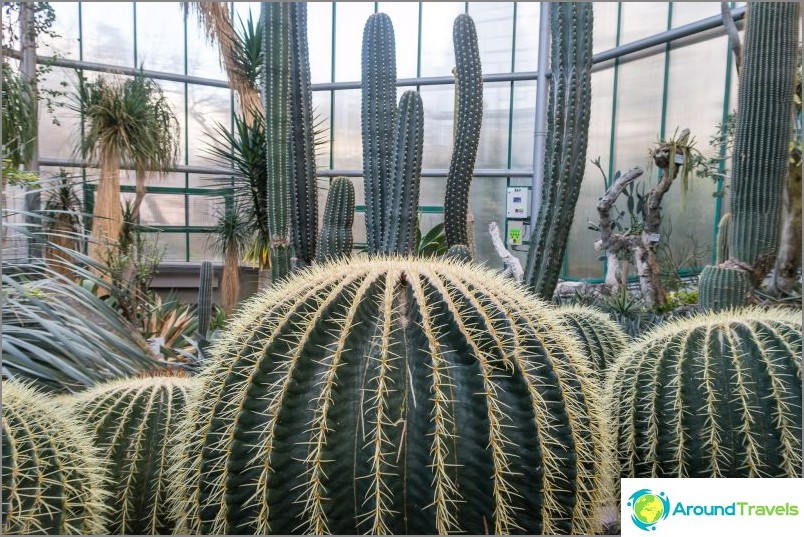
(205, 298)
(302, 178)
(569, 108)
(601, 339)
(715, 395)
(394, 395)
(277, 38)
(402, 203)
(132, 421)
(722, 243)
(53, 480)
(378, 122)
(722, 288)
(459, 252)
(339, 214)
(469, 111)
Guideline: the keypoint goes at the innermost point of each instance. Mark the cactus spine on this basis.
(761, 138)
(469, 97)
(339, 213)
(378, 121)
(715, 395)
(52, 478)
(277, 37)
(204, 298)
(459, 252)
(132, 421)
(567, 128)
(394, 395)
(303, 184)
(601, 339)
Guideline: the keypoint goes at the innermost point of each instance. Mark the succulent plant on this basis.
(459, 252)
(394, 395)
(53, 481)
(713, 395)
(339, 214)
(722, 243)
(132, 421)
(601, 339)
(204, 298)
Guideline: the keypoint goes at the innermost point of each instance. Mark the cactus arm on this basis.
(469, 84)
(339, 212)
(204, 298)
(722, 249)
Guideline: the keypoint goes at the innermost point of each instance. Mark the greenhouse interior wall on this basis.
(638, 98)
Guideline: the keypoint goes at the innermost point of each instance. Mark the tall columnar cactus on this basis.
(469, 92)
(565, 153)
(53, 480)
(132, 421)
(394, 395)
(402, 202)
(339, 214)
(277, 27)
(761, 139)
(715, 395)
(378, 122)
(204, 298)
(601, 339)
(302, 178)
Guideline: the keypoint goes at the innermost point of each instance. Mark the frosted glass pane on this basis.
(439, 105)
(527, 36)
(492, 152)
(66, 26)
(174, 93)
(687, 12)
(172, 179)
(322, 112)
(494, 22)
(438, 58)
(160, 36)
(207, 106)
(642, 19)
(405, 18)
(162, 210)
(359, 228)
(108, 32)
(347, 143)
(319, 40)
(201, 248)
(605, 26)
(241, 9)
(174, 245)
(59, 141)
(203, 210)
(350, 18)
(203, 59)
(523, 125)
(432, 191)
(487, 198)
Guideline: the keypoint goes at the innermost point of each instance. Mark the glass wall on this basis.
(636, 100)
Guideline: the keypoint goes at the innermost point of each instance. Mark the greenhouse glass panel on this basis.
(492, 151)
(59, 128)
(527, 36)
(494, 22)
(439, 111)
(108, 32)
(322, 115)
(162, 210)
(67, 44)
(405, 18)
(487, 198)
(347, 142)
(523, 126)
(174, 245)
(202, 248)
(203, 58)
(350, 18)
(319, 40)
(160, 37)
(207, 108)
(438, 57)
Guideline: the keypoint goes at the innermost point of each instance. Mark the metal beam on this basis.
(540, 126)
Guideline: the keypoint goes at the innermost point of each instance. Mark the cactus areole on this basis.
(391, 395)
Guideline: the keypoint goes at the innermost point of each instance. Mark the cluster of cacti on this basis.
(601, 339)
(469, 115)
(565, 150)
(339, 213)
(715, 395)
(52, 478)
(132, 422)
(204, 306)
(394, 395)
(761, 138)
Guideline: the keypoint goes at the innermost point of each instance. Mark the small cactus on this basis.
(601, 339)
(204, 298)
(339, 214)
(459, 252)
(722, 250)
(53, 480)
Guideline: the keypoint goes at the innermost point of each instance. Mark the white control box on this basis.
(518, 205)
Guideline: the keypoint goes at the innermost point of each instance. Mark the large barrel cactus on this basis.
(131, 422)
(339, 214)
(394, 395)
(52, 478)
(715, 395)
(601, 339)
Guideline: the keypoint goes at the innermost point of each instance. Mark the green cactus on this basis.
(714, 395)
(204, 298)
(277, 37)
(761, 139)
(339, 214)
(132, 421)
(601, 339)
(394, 395)
(402, 202)
(459, 252)
(53, 481)
(722, 249)
(567, 134)
(378, 122)
(469, 111)
(303, 184)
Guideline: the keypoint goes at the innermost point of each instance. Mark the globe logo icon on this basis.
(648, 508)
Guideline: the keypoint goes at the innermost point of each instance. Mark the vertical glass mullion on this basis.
(186, 151)
(663, 125)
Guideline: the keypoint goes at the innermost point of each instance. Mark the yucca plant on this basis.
(62, 220)
(230, 239)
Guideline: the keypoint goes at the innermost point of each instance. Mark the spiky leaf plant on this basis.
(393, 395)
(53, 481)
(601, 339)
(714, 395)
(132, 421)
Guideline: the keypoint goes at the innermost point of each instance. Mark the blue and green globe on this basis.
(648, 508)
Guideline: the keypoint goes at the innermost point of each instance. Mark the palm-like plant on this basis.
(124, 121)
(230, 238)
(62, 220)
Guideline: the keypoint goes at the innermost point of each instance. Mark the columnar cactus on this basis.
(469, 110)
(565, 155)
(132, 421)
(204, 298)
(339, 214)
(715, 395)
(601, 339)
(378, 122)
(761, 138)
(53, 480)
(394, 395)
(302, 178)
(402, 202)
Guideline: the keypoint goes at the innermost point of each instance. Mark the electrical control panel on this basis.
(518, 205)
(516, 232)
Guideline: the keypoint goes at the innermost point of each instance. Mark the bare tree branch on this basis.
(510, 260)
